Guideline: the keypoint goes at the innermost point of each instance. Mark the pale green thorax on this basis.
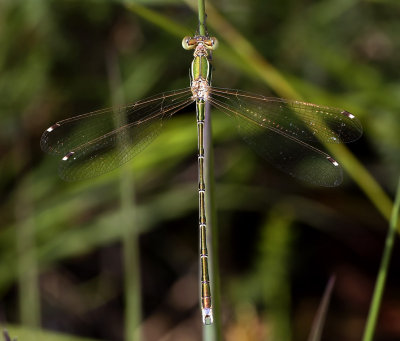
(200, 69)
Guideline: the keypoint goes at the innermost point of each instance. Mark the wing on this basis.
(288, 133)
(304, 121)
(98, 142)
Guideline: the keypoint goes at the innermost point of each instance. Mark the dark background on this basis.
(61, 244)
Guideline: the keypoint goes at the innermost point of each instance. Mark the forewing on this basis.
(100, 141)
(304, 121)
(279, 131)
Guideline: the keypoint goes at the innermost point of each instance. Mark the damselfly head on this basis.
(190, 43)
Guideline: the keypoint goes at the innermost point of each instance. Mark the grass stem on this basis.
(29, 294)
(212, 332)
(202, 17)
(383, 270)
(130, 242)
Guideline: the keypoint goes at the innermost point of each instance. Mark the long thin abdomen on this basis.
(206, 306)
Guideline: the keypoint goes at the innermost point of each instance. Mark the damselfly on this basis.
(285, 132)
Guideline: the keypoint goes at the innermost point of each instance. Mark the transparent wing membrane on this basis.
(288, 133)
(304, 121)
(100, 141)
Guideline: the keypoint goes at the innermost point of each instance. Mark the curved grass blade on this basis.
(320, 317)
(287, 133)
(100, 141)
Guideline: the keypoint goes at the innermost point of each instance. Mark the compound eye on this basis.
(214, 43)
(211, 43)
(188, 43)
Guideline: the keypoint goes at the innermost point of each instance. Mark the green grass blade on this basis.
(130, 242)
(23, 333)
(128, 216)
(275, 250)
(212, 332)
(202, 17)
(158, 19)
(29, 297)
(383, 270)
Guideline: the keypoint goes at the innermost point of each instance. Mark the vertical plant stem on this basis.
(202, 17)
(130, 236)
(211, 332)
(29, 301)
(274, 253)
(383, 269)
(130, 244)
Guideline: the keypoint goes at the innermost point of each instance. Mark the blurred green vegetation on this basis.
(280, 240)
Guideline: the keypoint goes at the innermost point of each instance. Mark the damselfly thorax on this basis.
(200, 69)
